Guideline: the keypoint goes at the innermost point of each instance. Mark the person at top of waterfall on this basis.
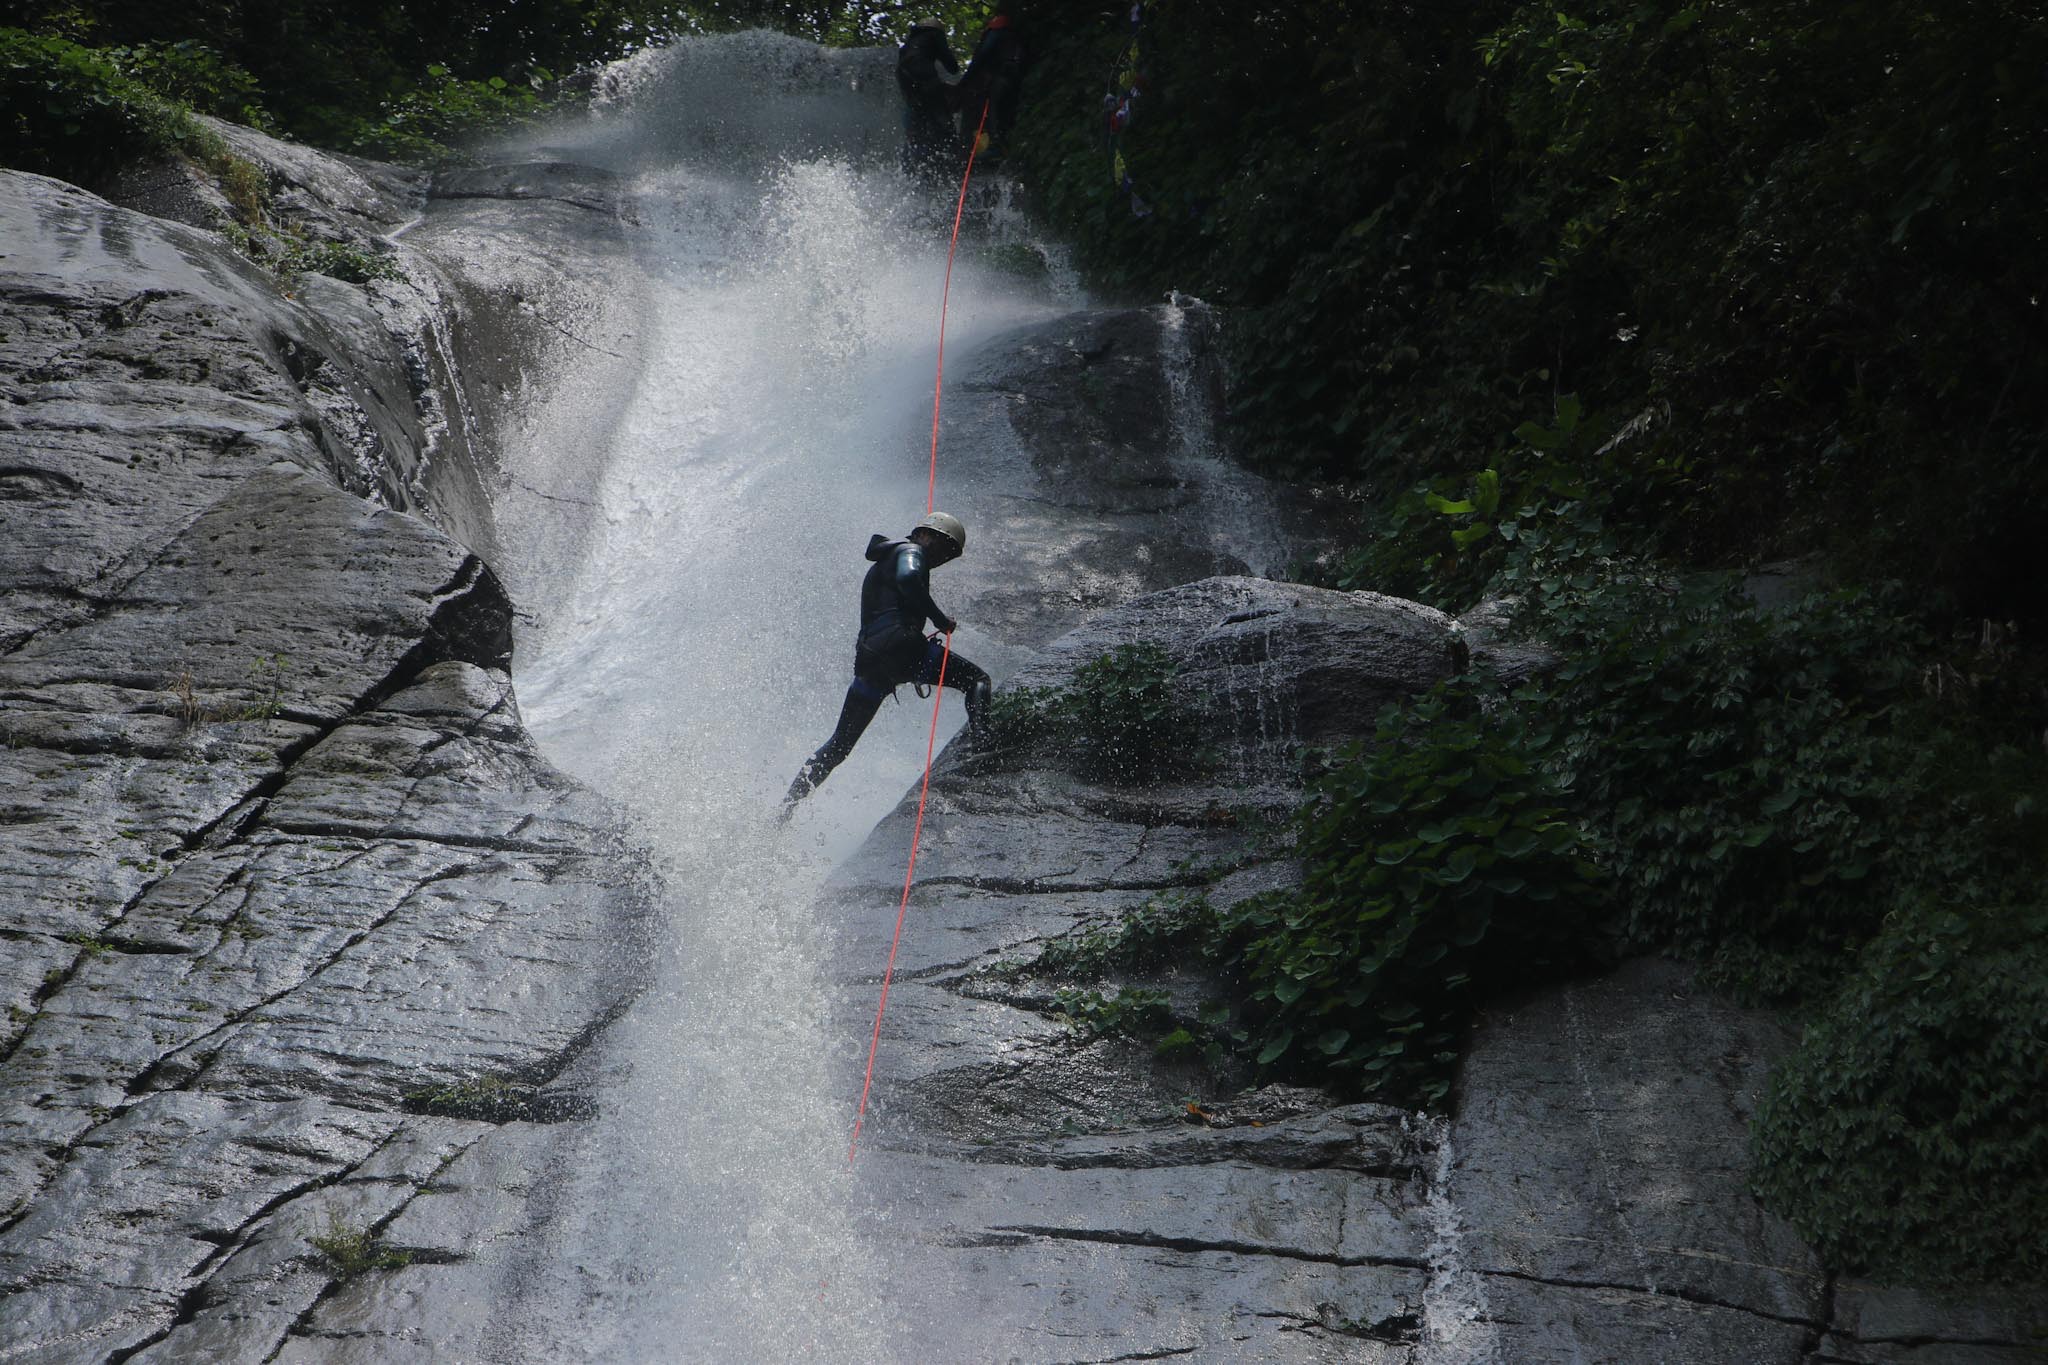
(922, 65)
(994, 83)
(892, 648)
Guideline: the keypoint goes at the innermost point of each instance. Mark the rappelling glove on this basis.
(946, 624)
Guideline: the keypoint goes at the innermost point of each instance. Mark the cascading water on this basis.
(693, 647)
(1231, 497)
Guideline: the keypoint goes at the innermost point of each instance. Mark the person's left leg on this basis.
(964, 676)
(863, 699)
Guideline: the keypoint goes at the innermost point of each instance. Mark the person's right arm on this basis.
(914, 589)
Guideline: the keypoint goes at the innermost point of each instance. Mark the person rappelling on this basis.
(892, 648)
(989, 92)
(922, 65)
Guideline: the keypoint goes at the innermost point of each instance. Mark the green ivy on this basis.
(196, 75)
(1119, 720)
(69, 111)
(1131, 1011)
(1441, 861)
(1153, 933)
(1909, 1132)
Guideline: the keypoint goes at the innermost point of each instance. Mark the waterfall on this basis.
(1228, 499)
(1457, 1327)
(691, 644)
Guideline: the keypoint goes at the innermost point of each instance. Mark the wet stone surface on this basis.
(1588, 1200)
(280, 870)
(1087, 449)
(302, 943)
(1091, 1213)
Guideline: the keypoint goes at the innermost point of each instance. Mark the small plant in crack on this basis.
(353, 1250)
(1400, 1329)
(269, 671)
(189, 709)
(491, 1099)
(91, 944)
(1151, 934)
(1133, 1010)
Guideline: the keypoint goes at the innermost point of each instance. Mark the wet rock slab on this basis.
(1587, 1202)
(1094, 474)
(284, 886)
(1064, 1186)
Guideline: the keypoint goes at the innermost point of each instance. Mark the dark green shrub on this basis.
(426, 123)
(68, 111)
(1909, 1132)
(353, 264)
(1741, 768)
(1445, 539)
(191, 73)
(1762, 785)
(1118, 721)
(1441, 862)
(1128, 725)
(1162, 928)
(1020, 719)
(1132, 1011)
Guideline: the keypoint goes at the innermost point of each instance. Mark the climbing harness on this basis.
(931, 738)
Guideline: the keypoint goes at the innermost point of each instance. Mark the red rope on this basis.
(939, 691)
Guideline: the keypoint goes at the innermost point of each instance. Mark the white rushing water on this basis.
(691, 644)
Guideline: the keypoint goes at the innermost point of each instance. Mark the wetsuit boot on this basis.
(977, 697)
(863, 699)
(805, 782)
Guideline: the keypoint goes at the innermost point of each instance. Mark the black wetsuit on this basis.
(927, 100)
(995, 78)
(895, 603)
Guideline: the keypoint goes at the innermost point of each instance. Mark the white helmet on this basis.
(948, 526)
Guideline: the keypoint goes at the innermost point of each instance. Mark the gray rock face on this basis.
(1064, 1187)
(302, 944)
(289, 903)
(1587, 1202)
(1107, 416)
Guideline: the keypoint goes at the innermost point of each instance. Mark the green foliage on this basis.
(1441, 861)
(1133, 1010)
(1801, 235)
(338, 260)
(193, 74)
(1022, 718)
(1153, 933)
(1444, 539)
(1129, 726)
(426, 122)
(269, 671)
(1118, 721)
(1909, 1133)
(354, 1251)
(406, 78)
(70, 112)
(1762, 785)
(867, 22)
